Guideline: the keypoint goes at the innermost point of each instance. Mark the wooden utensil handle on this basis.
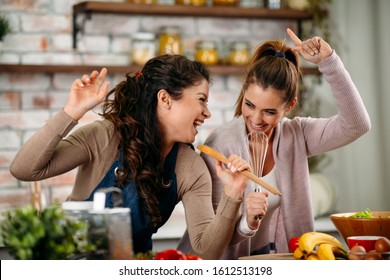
(217, 155)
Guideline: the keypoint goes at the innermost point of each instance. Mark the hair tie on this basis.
(138, 74)
(280, 54)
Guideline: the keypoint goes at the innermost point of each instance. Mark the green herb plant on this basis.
(5, 27)
(45, 235)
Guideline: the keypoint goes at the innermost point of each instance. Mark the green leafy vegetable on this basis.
(364, 214)
(45, 235)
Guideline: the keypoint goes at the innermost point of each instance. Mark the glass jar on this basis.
(191, 2)
(225, 2)
(274, 4)
(183, 2)
(239, 53)
(198, 2)
(143, 47)
(170, 40)
(142, 1)
(206, 52)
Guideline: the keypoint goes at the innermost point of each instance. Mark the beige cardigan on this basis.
(94, 147)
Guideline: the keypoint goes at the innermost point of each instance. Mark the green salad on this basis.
(364, 214)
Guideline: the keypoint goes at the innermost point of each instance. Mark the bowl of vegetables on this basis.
(375, 223)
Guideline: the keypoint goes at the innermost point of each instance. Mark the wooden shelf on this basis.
(90, 7)
(223, 70)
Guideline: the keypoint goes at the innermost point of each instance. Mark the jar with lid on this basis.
(206, 52)
(225, 2)
(239, 53)
(183, 2)
(170, 40)
(191, 2)
(274, 4)
(143, 47)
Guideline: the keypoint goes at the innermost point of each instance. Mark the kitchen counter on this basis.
(281, 256)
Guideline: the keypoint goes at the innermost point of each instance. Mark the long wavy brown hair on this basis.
(131, 107)
(273, 65)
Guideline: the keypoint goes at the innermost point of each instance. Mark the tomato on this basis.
(193, 257)
(293, 244)
(170, 254)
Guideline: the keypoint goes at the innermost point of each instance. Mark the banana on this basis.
(313, 257)
(298, 254)
(327, 251)
(310, 240)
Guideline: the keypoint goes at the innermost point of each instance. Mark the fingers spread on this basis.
(78, 83)
(85, 79)
(104, 90)
(102, 76)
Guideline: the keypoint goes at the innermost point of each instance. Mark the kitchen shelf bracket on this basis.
(79, 26)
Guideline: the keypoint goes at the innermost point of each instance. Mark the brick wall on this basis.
(42, 34)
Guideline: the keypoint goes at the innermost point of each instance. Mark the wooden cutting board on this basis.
(281, 256)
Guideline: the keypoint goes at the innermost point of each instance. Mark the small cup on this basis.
(368, 242)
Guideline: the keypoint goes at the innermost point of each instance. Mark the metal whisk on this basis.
(257, 148)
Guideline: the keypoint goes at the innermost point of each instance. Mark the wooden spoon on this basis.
(217, 155)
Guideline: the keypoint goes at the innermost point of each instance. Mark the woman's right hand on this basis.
(256, 204)
(234, 181)
(86, 93)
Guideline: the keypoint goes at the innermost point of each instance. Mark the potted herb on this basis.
(46, 235)
(5, 27)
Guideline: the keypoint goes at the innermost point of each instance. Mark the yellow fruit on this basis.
(310, 240)
(312, 257)
(327, 251)
(298, 254)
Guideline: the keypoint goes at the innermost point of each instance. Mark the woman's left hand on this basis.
(314, 50)
(235, 182)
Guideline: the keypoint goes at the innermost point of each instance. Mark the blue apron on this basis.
(141, 230)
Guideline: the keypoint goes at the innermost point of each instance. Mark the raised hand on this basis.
(86, 93)
(314, 50)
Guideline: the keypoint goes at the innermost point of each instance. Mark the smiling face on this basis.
(180, 118)
(262, 108)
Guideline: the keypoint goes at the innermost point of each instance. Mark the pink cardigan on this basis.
(295, 140)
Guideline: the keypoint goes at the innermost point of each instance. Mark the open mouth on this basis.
(197, 123)
(258, 127)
